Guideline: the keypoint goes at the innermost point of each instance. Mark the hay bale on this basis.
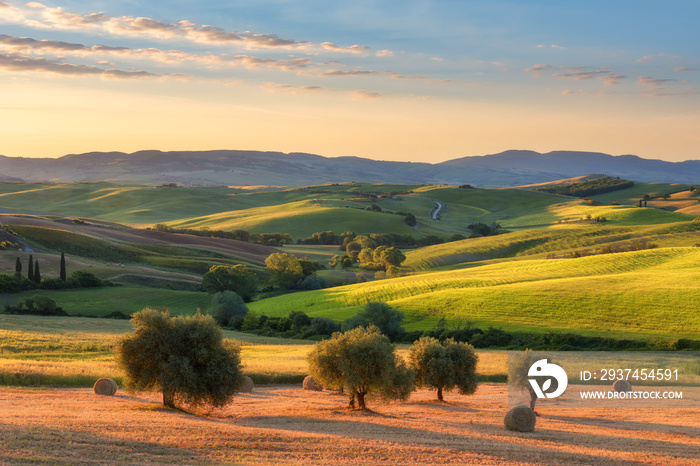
(311, 384)
(107, 387)
(622, 386)
(520, 419)
(248, 385)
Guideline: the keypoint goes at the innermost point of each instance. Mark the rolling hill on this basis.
(530, 278)
(638, 294)
(246, 168)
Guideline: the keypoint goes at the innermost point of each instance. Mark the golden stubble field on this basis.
(283, 424)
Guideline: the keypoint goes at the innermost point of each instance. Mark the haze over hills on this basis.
(246, 168)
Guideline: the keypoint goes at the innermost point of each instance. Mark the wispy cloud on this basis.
(27, 64)
(537, 70)
(355, 73)
(578, 73)
(664, 87)
(274, 87)
(302, 66)
(679, 69)
(656, 57)
(40, 16)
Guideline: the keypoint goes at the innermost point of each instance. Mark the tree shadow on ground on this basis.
(25, 444)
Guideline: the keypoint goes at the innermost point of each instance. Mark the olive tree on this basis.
(184, 357)
(518, 367)
(363, 362)
(444, 366)
(284, 269)
(234, 278)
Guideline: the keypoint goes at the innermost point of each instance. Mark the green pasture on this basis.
(126, 299)
(302, 219)
(642, 294)
(634, 194)
(194, 260)
(503, 206)
(561, 240)
(145, 205)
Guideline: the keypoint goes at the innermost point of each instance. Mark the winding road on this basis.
(437, 210)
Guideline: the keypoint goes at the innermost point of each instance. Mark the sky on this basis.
(416, 80)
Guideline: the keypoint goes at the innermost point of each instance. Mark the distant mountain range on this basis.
(249, 168)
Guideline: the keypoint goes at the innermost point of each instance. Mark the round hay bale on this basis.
(248, 385)
(107, 387)
(311, 384)
(622, 386)
(520, 419)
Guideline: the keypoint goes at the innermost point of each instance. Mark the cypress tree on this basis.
(30, 271)
(37, 274)
(18, 267)
(63, 267)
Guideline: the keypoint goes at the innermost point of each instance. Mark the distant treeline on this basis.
(497, 338)
(602, 185)
(368, 194)
(269, 239)
(298, 325)
(323, 237)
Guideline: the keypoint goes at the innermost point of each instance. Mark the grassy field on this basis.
(634, 194)
(460, 208)
(75, 352)
(638, 294)
(288, 425)
(560, 240)
(126, 299)
(522, 281)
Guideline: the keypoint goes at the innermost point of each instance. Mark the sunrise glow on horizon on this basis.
(422, 81)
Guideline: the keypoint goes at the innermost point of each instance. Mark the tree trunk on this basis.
(351, 404)
(440, 394)
(533, 399)
(361, 400)
(168, 399)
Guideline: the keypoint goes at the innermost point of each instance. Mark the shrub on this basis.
(184, 357)
(86, 279)
(55, 284)
(38, 305)
(362, 361)
(15, 283)
(444, 366)
(311, 282)
(379, 314)
(322, 326)
(226, 306)
(492, 337)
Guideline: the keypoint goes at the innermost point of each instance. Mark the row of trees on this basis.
(186, 358)
(33, 280)
(282, 270)
(380, 258)
(270, 239)
(33, 272)
(587, 188)
(362, 362)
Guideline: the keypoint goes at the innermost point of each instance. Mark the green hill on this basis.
(640, 294)
(563, 239)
